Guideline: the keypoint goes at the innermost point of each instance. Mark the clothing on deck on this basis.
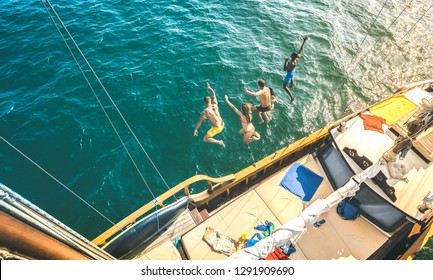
(372, 122)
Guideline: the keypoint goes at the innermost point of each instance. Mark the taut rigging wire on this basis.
(100, 104)
(404, 36)
(55, 179)
(410, 29)
(358, 60)
(368, 31)
(108, 95)
(386, 29)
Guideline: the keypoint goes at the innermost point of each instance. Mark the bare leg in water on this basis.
(252, 138)
(248, 137)
(287, 89)
(209, 139)
(259, 114)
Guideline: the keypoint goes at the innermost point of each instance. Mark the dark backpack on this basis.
(348, 209)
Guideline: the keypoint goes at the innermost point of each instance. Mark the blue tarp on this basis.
(301, 181)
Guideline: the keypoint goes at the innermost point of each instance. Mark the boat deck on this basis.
(269, 201)
(163, 247)
(413, 187)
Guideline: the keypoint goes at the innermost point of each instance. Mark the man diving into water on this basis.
(266, 102)
(211, 113)
(289, 66)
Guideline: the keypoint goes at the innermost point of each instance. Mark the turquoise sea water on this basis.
(154, 59)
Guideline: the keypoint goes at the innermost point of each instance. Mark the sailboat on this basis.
(358, 188)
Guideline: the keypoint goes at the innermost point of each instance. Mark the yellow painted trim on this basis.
(132, 218)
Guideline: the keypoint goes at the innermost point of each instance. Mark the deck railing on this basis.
(159, 201)
(216, 186)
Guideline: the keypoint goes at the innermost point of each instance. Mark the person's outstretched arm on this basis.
(202, 117)
(232, 106)
(212, 92)
(255, 94)
(302, 46)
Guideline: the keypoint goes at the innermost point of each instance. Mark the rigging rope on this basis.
(55, 179)
(404, 36)
(343, 79)
(410, 29)
(106, 114)
(368, 31)
(386, 29)
(108, 95)
(100, 104)
(350, 64)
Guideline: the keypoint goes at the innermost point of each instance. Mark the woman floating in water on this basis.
(246, 117)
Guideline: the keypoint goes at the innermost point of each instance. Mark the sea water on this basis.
(154, 59)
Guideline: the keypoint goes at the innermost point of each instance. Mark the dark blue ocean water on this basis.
(154, 59)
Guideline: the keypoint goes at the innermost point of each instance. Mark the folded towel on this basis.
(301, 181)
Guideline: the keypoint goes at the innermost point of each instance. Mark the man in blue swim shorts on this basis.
(289, 67)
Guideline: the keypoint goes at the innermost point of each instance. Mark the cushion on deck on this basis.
(283, 204)
(196, 247)
(246, 212)
(398, 170)
(393, 108)
(166, 251)
(235, 219)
